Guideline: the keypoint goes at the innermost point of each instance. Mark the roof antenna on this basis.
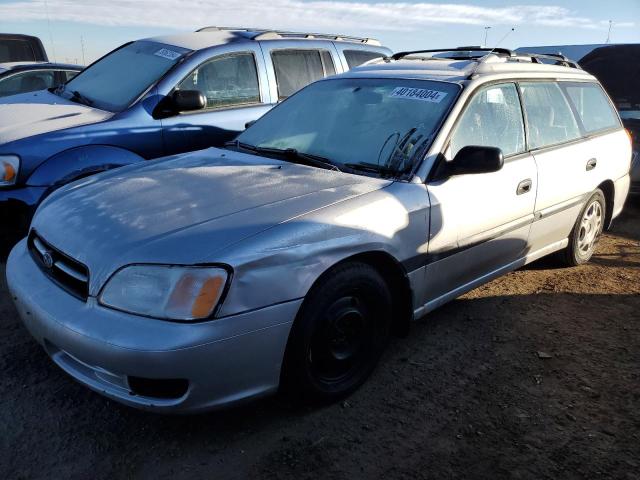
(502, 39)
(473, 72)
(609, 33)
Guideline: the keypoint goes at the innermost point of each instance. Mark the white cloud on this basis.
(293, 14)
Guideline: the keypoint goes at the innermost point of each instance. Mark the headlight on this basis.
(9, 167)
(163, 291)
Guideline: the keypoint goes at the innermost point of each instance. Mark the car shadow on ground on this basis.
(497, 384)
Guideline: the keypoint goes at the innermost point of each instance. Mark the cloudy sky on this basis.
(105, 24)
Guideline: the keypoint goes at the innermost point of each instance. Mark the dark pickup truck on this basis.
(21, 48)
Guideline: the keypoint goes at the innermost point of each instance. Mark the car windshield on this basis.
(115, 81)
(381, 126)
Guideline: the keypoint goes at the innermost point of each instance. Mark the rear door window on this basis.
(296, 69)
(593, 107)
(358, 57)
(550, 120)
(493, 118)
(226, 81)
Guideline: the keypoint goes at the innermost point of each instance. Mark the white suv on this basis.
(362, 201)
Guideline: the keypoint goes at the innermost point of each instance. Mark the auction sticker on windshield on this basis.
(168, 54)
(423, 94)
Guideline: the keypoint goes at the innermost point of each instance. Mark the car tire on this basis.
(586, 231)
(339, 334)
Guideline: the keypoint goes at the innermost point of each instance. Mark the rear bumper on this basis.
(223, 361)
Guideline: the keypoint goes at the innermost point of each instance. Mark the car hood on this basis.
(30, 114)
(184, 209)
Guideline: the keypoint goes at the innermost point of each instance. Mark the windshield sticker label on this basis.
(168, 54)
(423, 94)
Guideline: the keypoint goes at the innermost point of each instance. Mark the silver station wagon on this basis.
(287, 259)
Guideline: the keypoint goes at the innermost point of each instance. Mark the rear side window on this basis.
(550, 120)
(68, 75)
(296, 69)
(358, 57)
(226, 81)
(16, 51)
(27, 82)
(593, 107)
(493, 118)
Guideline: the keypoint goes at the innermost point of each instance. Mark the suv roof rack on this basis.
(264, 34)
(503, 51)
(556, 58)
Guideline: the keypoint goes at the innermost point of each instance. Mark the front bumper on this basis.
(225, 361)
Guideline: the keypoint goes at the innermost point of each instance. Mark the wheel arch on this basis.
(396, 279)
(608, 189)
(79, 162)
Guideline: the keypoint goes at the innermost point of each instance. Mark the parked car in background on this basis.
(156, 97)
(23, 77)
(21, 48)
(617, 67)
(285, 260)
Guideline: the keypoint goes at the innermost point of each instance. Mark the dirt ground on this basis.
(466, 395)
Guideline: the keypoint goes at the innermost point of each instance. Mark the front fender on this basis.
(79, 162)
(283, 262)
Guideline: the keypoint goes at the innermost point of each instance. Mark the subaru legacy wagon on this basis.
(286, 260)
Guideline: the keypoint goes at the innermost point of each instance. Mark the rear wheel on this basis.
(586, 232)
(339, 335)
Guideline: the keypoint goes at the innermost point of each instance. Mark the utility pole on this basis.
(486, 31)
(82, 46)
(609, 33)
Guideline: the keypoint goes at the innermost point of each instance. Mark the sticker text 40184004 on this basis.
(423, 94)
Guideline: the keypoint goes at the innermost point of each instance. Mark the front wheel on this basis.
(586, 232)
(339, 335)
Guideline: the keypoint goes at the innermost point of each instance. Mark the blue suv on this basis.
(152, 98)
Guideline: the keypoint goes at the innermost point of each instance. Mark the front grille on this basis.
(66, 272)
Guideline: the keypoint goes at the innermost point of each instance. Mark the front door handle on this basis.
(524, 187)
(591, 164)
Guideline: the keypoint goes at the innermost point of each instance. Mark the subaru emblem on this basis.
(47, 259)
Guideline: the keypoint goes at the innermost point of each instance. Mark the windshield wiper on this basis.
(287, 154)
(373, 168)
(76, 96)
(295, 156)
(240, 145)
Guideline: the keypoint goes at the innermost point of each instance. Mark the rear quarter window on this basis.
(358, 57)
(592, 106)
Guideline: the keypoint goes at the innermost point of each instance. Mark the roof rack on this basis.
(264, 34)
(556, 58)
(503, 51)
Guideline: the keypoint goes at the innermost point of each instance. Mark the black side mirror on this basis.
(188, 100)
(248, 124)
(476, 159)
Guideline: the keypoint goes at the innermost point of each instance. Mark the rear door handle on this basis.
(591, 164)
(524, 187)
